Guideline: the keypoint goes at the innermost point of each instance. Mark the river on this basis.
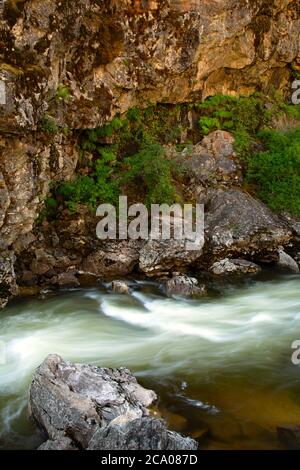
(221, 365)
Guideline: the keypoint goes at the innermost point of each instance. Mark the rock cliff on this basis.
(75, 65)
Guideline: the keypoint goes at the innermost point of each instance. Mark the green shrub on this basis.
(48, 125)
(276, 171)
(99, 187)
(243, 116)
(49, 211)
(63, 93)
(151, 166)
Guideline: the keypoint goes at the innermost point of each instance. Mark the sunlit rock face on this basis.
(115, 54)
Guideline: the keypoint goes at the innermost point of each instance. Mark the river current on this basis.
(221, 365)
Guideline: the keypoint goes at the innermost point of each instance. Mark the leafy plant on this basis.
(63, 92)
(99, 186)
(48, 125)
(276, 171)
(151, 167)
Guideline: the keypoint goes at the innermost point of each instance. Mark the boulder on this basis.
(73, 400)
(211, 161)
(286, 262)
(161, 257)
(183, 285)
(237, 225)
(65, 281)
(81, 406)
(115, 258)
(139, 434)
(120, 287)
(234, 266)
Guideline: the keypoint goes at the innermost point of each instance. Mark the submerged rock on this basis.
(290, 436)
(234, 266)
(184, 285)
(75, 403)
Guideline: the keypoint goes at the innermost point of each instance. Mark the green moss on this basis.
(49, 211)
(63, 93)
(48, 125)
(11, 69)
(150, 167)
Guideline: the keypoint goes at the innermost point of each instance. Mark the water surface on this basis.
(221, 365)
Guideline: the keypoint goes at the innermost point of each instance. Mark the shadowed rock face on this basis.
(76, 403)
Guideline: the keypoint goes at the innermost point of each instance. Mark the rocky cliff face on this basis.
(74, 65)
(115, 54)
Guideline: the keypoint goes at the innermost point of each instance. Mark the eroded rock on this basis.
(87, 407)
(183, 285)
(237, 225)
(286, 262)
(290, 436)
(139, 434)
(8, 285)
(120, 287)
(234, 266)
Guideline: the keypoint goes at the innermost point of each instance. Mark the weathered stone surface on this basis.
(181, 284)
(64, 443)
(234, 266)
(65, 281)
(73, 399)
(120, 287)
(161, 257)
(285, 261)
(127, 52)
(238, 225)
(139, 434)
(81, 406)
(211, 161)
(114, 259)
(8, 286)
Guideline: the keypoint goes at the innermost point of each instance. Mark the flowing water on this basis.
(221, 365)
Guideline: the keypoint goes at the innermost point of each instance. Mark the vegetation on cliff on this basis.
(129, 152)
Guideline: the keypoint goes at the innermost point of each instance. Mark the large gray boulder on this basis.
(286, 262)
(74, 405)
(73, 400)
(114, 258)
(211, 161)
(237, 226)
